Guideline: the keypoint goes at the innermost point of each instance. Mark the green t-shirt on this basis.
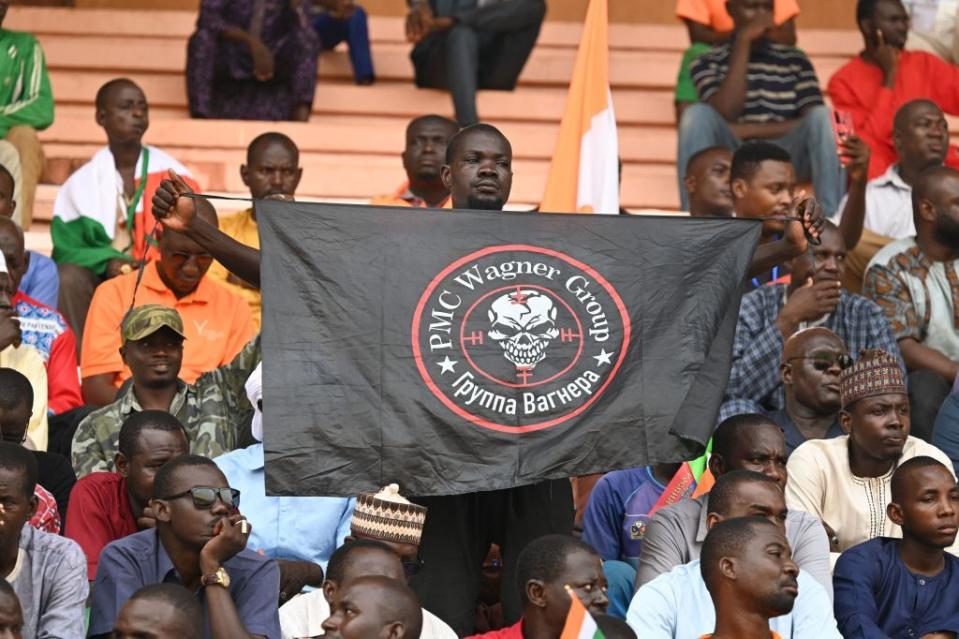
(25, 95)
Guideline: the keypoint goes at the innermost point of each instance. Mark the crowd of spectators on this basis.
(132, 474)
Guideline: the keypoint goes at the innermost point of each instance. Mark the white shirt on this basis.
(303, 616)
(822, 484)
(888, 206)
(676, 605)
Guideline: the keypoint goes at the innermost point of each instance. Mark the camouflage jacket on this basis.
(211, 410)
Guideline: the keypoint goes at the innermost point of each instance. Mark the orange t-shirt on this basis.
(217, 323)
(713, 13)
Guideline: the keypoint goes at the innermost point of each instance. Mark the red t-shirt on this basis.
(857, 88)
(512, 632)
(99, 513)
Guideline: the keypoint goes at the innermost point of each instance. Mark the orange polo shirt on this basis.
(217, 323)
(405, 197)
(713, 13)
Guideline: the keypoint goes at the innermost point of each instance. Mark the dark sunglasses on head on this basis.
(823, 361)
(205, 496)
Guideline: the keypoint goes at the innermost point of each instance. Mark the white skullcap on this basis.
(254, 390)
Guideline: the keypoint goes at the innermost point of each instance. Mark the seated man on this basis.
(11, 614)
(845, 481)
(304, 615)
(770, 315)
(299, 532)
(160, 611)
(42, 327)
(745, 442)
(46, 571)
(894, 588)
(99, 228)
(812, 361)
(912, 281)
(108, 506)
(26, 106)
(217, 321)
(750, 575)
(873, 85)
(199, 542)
(462, 47)
(248, 62)
(545, 569)
(214, 410)
(676, 604)
(881, 212)
(22, 358)
(618, 511)
(41, 281)
(709, 24)
(272, 168)
(339, 21)
(55, 476)
(374, 607)
(751, 88)
(707, 183)
(423, 157)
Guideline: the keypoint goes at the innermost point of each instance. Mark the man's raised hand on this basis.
(173, 211)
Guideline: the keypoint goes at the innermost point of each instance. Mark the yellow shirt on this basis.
(29, 362)
(242, 228)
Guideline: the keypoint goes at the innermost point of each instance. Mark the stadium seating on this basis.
(350, 148)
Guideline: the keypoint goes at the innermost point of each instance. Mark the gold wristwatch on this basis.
(219, 578)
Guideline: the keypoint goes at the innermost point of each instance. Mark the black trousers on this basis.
(486, 49)
(459, 531)
(927, 392)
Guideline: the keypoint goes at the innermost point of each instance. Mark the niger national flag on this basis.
(584, 175)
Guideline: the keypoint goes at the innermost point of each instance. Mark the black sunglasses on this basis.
(823, 361)
(205, 496)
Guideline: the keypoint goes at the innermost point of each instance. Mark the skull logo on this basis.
(523, 322)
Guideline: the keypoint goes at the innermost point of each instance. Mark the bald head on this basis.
(914, 474)
(12, 247)
(749, 442)
(272, 166)
(111, 88)
(921, 136)
(925, 503)
(934, 192)
(801, 342)
(271, 138)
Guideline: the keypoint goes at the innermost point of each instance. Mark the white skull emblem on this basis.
(523, 322)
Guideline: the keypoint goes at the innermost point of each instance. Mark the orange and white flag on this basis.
(584, 174)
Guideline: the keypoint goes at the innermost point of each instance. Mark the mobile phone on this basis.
(842, 126)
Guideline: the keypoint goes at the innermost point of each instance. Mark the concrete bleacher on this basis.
(350, 148)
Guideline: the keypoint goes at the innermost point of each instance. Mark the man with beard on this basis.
(272, 168)
(812, 362)
(895, 588)
(772, 314)
(914, 281)
(423, 157)
(845, 481)
(876, 213)
(751, 577)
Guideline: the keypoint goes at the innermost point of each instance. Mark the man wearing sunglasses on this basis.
(771, 314)
(846, 481)
(812, 361)
(200, 542)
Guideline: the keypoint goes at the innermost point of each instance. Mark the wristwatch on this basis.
(219, 578)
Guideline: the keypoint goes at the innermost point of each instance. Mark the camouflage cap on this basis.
(146, 320)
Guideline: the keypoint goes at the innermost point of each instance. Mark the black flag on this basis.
(463, 351)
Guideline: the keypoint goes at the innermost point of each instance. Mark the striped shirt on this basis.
(781, 83)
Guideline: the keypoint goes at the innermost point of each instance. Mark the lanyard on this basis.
(132, 206)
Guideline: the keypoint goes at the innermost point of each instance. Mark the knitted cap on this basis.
(388, 516)
(874, 373)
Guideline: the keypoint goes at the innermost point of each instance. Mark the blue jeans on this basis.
(811, 145)
(355, 33)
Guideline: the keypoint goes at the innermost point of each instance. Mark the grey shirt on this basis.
(50, 579)
(675, 536)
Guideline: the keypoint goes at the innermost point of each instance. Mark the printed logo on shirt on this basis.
(210, 334)
(519, 338)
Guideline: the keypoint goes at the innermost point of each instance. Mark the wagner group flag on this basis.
(463, 351)
(584, 173)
